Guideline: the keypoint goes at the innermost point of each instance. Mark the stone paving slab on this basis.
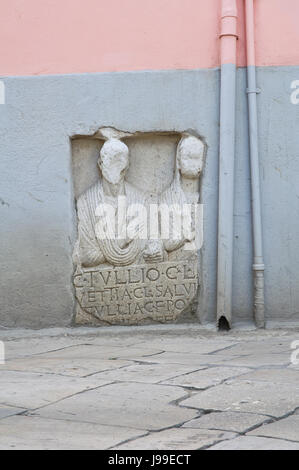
(6, 411)
(227, 421)
(261, 348)
(146, 373)
(205, 378)
(255, 443)
(287, 428)
(30, 391)
(252, 397)
(140, 406)
(171, 439)
(77, 361)
(196, 359)
(33, 346)
(255, 360)
(25, 347)
(28, 432)
(273, 376)
(199, 345)
(114, 385)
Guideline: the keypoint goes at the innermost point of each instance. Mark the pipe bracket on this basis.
(253, 90)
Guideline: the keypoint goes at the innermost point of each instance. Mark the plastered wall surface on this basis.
(89, 36)
(40, 116)
(69, 67)
(38, 220)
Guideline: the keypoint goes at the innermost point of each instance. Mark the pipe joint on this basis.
(229, 27)
(258, 267)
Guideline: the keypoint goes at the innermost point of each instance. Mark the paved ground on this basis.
(157, 387)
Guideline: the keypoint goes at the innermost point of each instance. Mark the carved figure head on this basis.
(114, 160)
(190, 156)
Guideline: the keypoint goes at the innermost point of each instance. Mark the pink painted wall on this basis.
(75, 36)
(277, 32)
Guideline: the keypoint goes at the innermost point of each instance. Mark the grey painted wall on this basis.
(38, 223)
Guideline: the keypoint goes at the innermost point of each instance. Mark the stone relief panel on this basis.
(137, 196)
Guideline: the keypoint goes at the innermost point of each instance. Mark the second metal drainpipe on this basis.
(258, 261)
(228, 37)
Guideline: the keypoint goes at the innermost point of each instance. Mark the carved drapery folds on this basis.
(136, 256)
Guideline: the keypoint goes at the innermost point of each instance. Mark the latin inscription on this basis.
(129, 295)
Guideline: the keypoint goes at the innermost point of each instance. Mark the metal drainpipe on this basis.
(258, 261)
(228, 38)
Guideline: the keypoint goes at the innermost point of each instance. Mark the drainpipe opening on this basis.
(223, 324)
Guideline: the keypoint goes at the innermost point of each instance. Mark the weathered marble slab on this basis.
(136, 294)
(140, 226)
